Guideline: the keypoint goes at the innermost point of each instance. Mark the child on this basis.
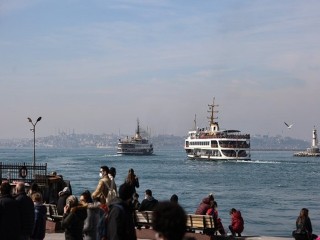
(237, 223)
(39, 229)
(217, 221)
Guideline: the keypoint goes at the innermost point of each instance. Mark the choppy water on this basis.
(270, 190)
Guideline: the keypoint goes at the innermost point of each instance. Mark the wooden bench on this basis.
(53, 223)
(198, 226)
(143, 219)
(52, 213)
(201, 223)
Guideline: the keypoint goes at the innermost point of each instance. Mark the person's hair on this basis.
(215, 204)
(113, 171)
(174, 198)
(105, 169)
(304, 214)
(169, 219)
(211, 197)
(131, 177)
(135, 195)
(87, 196)
(5, 188)
(149, 192)
(232, 210)
(72, 201)
(36, 197)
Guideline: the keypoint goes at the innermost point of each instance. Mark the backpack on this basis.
(103, 222)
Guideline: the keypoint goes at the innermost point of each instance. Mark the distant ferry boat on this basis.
(314, 150)
(136, 145)
(216, 144)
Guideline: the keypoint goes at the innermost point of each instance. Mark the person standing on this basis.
(40, 217)
(237, 223)
(102, 187)
(90, 227)
(63, 195)
(119, 223)
(149, 202)
(132, 180)
(26, 209)
(10, 223)
(73, 219)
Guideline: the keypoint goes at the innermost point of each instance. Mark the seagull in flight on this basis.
(289, 126)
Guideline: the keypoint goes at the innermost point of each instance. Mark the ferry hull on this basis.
(135, 151)
(214, 158)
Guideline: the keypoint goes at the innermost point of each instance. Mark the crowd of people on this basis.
(22, 216)
(107, 212)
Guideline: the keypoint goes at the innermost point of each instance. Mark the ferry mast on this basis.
(214, 126)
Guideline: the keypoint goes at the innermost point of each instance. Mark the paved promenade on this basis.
(60, 236)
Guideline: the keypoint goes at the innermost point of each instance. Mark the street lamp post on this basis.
(34, 138)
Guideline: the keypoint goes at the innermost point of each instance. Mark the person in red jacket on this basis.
(237, 223)
(205, 204)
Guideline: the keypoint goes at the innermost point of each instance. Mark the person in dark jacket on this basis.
(303, 226)
(237, 223)
(63, 195)
(26, 209)
(149, 202)
(73, 218)
(205, 204)
(132, 180)
(10, 224)
(119, 223)
(40, 212)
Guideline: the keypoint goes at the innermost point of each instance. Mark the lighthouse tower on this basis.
(314, 138)
(314, 147)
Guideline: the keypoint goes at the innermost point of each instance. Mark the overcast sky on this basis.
(96, 66)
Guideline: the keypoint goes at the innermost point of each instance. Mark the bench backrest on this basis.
(199, 222)
(194, 222)
(143, 218)
(52, 213)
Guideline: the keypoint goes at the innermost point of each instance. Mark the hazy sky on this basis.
(96, 66)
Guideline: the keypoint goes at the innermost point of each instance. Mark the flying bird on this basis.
(289, 126)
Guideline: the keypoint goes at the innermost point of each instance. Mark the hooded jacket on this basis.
(237, 222)
(204, 206)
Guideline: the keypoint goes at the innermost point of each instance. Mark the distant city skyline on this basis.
(95, 67)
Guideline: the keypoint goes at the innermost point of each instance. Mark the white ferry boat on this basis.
(136, 145)
(314, 150)
(215, 144)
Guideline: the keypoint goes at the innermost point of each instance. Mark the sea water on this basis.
(269, 190)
